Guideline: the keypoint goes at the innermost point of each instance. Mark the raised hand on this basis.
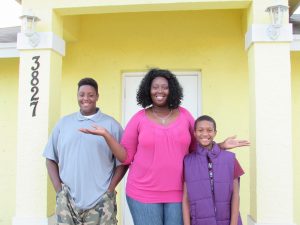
(96, 131)
(232, 142)
(113, 144)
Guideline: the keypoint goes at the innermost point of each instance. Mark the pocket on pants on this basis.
(61, 201)
(108, 207)
(65, 213)
(61, 205)
(58, 194)
(111, 195)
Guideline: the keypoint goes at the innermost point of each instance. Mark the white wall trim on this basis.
(295, 45)
(9, 50)
(252, 222)
(258, 33)
(48, 40)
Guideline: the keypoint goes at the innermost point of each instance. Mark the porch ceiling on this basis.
(10, 34)
(120, 6)
(107, 8)
(292, 3)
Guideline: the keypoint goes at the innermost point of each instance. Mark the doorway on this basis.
(191, 84)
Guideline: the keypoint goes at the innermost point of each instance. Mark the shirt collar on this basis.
(213, 153)
(95, 118)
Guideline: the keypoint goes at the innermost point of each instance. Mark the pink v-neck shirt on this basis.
(155, 154)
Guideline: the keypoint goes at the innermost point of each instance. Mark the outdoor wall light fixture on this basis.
(29, 21)
(276, 13)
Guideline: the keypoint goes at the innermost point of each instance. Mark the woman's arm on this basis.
(53, 172)
(235, 202)
(117, 149)
(185, 207)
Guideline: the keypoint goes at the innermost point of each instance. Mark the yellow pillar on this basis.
(270, 119)
(38, 109)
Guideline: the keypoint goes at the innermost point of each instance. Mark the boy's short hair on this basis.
(205, 118)
(88, 81)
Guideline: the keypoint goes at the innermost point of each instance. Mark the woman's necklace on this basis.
(164, 119)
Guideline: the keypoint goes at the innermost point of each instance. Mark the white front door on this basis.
(191, 84)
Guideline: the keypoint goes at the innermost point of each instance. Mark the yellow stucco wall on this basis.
(295, 59)
(8, 128)
(110, 44)
(210, 41)
(106, 45)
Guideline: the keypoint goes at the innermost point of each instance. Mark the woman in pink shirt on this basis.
(154, 143)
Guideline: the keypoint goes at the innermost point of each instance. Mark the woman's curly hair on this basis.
(143, 96)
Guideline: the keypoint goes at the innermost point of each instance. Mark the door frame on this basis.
(141, 74)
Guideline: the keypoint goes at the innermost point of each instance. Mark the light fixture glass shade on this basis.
(276, 13)
(29, 21)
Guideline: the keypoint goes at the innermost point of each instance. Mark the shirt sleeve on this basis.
(130, 138)
(238, 171)
(50, 151)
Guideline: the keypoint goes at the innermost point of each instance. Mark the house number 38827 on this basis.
(34, 84)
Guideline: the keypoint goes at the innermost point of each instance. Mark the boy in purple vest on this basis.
(211, 188)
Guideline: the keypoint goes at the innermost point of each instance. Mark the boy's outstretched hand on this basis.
(96, 131)
(232, 142)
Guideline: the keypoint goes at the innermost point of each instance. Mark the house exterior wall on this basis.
(105, 45)
(8, 126)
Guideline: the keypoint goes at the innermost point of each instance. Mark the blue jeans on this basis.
(155, 213)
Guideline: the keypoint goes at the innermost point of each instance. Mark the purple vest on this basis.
(206, 208)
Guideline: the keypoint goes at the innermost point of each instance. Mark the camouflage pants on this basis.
(104, 213)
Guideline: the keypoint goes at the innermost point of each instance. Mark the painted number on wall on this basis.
(34, 83)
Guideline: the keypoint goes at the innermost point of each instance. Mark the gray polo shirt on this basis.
(86, 164)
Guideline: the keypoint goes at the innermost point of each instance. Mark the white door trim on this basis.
(140, 74)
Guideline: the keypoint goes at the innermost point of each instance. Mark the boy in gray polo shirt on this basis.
(82, 168)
